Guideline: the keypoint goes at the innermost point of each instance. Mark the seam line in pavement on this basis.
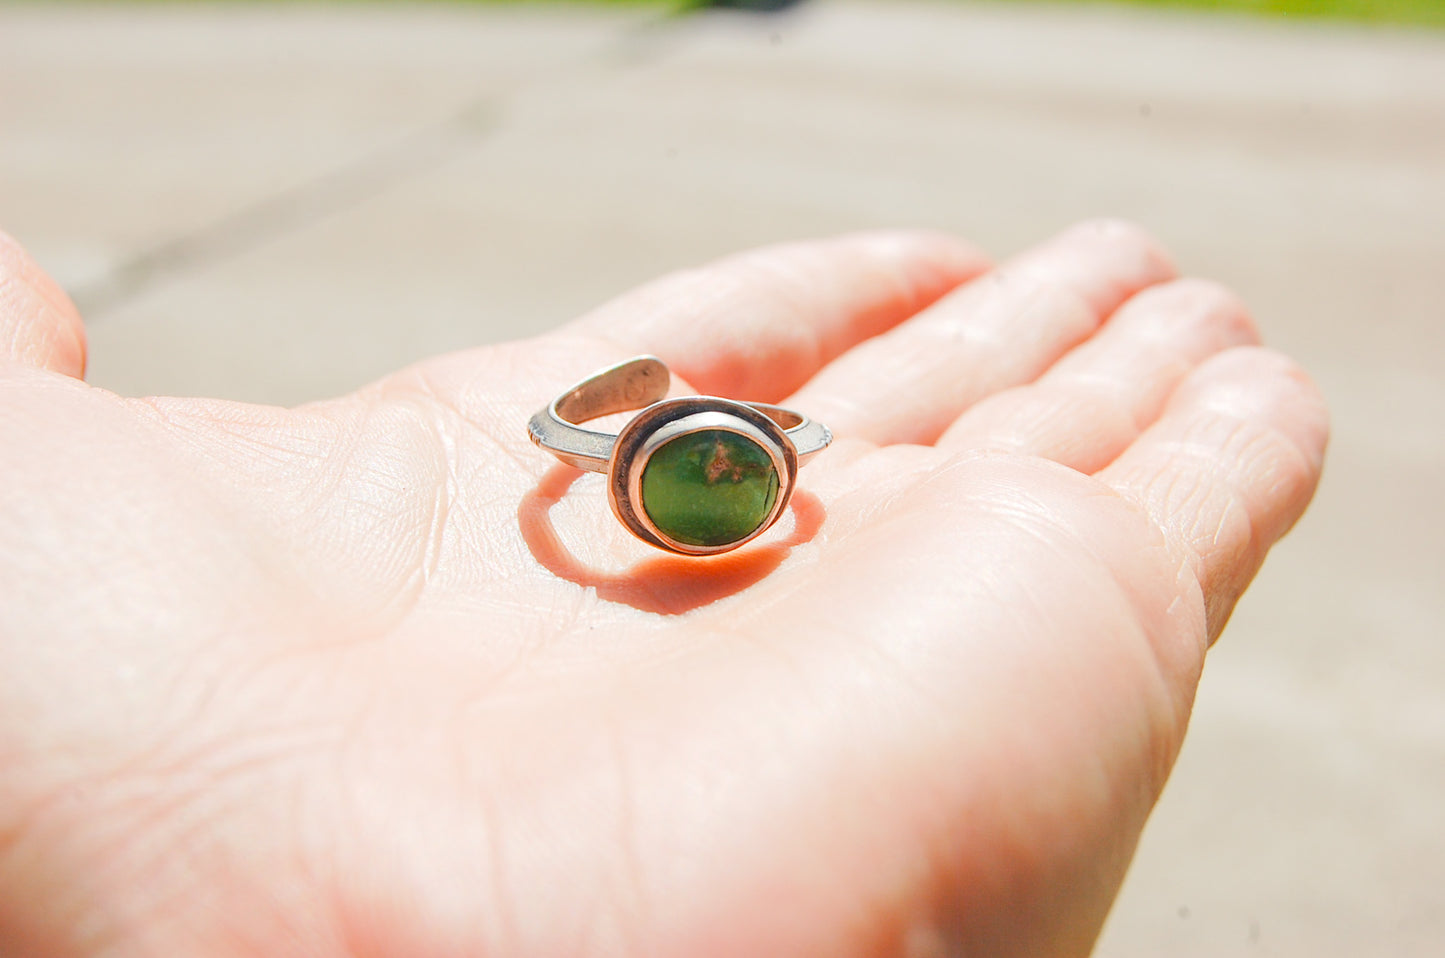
(290, 209)
(344, 187)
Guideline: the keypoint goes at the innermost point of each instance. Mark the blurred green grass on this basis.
(1414, 12)
(1428, 13)
(1420, 12)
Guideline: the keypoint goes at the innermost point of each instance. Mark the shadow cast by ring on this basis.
(665, 584)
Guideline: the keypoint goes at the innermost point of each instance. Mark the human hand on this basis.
(375, 677)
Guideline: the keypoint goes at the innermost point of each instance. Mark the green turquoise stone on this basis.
(709, 488)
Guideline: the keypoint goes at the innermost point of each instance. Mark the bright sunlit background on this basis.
(279, 201)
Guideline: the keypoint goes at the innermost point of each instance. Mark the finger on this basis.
(1229, 467)
(909, 384)
(1093, 403)
(757, 325)
(39, 326)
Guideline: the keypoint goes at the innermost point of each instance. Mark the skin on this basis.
(375, 677)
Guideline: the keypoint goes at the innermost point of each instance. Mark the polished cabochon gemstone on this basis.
(709, 488)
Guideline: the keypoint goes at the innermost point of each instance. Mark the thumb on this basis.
(39, 325)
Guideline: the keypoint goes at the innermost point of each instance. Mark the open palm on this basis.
(375, 677)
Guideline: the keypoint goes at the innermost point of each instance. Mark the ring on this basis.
(696, 475)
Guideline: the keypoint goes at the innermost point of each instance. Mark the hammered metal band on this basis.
(696, 475)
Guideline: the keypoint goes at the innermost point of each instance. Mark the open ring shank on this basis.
(632, 385)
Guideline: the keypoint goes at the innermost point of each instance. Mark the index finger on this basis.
(757, 325)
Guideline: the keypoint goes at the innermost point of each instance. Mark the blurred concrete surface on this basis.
(277, 202)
